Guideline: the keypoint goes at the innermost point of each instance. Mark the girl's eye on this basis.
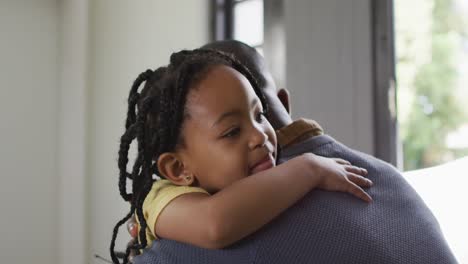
(260, 117)
(232, 133)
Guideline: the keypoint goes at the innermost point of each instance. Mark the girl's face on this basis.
(226, 135)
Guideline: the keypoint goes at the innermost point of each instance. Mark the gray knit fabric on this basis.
(332, 227)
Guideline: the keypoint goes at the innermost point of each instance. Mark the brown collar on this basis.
(298, 131)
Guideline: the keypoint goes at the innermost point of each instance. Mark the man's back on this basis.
(332, 227)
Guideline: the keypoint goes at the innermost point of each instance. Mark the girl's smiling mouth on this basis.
(266, 163)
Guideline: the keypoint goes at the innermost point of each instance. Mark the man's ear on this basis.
(173, 169)
(283, 95)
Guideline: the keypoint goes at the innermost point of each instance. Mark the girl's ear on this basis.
(173, 169)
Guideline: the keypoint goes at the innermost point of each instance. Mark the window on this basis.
(240, 20)
(431, 61)
(257, 23)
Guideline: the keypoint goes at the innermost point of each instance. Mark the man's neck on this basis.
(283, 121)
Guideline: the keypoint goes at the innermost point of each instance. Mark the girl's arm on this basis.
(240, 209)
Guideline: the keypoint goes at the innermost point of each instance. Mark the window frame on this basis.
(386, 146)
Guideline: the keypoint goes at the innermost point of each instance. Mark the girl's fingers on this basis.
(359, 192)
(341, 161)
(359, 180)
(356, 170)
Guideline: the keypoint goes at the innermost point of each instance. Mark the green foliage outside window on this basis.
(431, 103)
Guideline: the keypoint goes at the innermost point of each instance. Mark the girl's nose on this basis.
(258, 138)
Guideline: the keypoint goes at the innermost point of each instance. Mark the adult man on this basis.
(324, 227)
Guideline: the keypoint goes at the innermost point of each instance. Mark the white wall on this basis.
(65, 72)
(328, 66)
(126, 38)
(28, 114)
(72, 101)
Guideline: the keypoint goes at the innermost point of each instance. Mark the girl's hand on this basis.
(335, 174)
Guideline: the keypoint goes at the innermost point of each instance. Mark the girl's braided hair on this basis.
(154, 120)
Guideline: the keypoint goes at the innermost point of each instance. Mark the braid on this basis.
(155, 118)
(139, 212)
(129, 135)
(114, 234)
(125, 142)
(134, 96)
(133, 128)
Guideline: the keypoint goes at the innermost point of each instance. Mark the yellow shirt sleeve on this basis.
(161, 194)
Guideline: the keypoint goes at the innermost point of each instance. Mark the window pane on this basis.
(432, 70)
(248, 22)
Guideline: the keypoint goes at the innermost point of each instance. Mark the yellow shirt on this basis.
(161, 194)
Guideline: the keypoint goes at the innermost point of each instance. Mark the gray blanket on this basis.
(332, 227)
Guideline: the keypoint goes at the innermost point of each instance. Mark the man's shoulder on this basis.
(310, 144)
(166, 251)
(333, 227)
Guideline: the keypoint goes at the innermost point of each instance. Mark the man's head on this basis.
(278, 99)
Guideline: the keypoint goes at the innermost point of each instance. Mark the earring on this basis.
(188, 178)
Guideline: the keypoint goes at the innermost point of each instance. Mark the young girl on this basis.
(200, 125)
